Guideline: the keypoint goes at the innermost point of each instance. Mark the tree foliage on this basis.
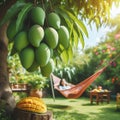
(20, 9)
(96, 11)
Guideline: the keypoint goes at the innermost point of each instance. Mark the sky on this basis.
(95, 36)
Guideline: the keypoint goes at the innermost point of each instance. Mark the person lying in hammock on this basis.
(65, 85)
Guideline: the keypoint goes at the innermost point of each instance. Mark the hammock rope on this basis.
(77, 90)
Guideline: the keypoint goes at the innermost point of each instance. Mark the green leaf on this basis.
(79, 22)
(97, 21)
(82, 40)
(67, 20)
(64, 56)
(70, 53)
(76, 39)
(12, 11)
(22, 15)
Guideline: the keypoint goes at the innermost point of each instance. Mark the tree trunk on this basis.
(6, 98)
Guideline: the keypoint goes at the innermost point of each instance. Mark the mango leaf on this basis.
(70, 53)
(81, 38)
(64, 56)
(79, 22)
(62, 13)
(70, 28)
(12, 11)
(65, 17)
(97, 21)
(75, 37)
(22, 15)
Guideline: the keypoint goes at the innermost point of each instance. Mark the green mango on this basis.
(53, 20)
(48, 69)
(64, 36)
(33, 67)
(38, 15)
(27, 57)
(35, 35)
(42, 54)
(21, 41)
(51, 37)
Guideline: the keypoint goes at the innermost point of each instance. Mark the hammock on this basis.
(78, 89)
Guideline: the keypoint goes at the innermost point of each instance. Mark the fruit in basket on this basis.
(105, 90)
(95, 90)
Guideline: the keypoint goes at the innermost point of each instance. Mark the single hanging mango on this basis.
(42, 54)
(38, 15)
(48, 69)
(21, 41)
(51, 37)
(64, 36)
(53, 20)
(27, 57)
(35, 35)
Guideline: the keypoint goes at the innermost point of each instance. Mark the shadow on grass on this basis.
(59, 106)
(72, 100)
(89, 104)
(110, 110)
(64, 114)
(109, 114)
(69, 116)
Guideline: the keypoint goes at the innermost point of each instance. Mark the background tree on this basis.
(106, 53)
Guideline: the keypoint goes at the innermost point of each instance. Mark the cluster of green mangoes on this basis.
(41, 33)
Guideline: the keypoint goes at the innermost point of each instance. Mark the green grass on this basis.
(81, 109)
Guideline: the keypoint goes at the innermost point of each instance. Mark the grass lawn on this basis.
(81, 109)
